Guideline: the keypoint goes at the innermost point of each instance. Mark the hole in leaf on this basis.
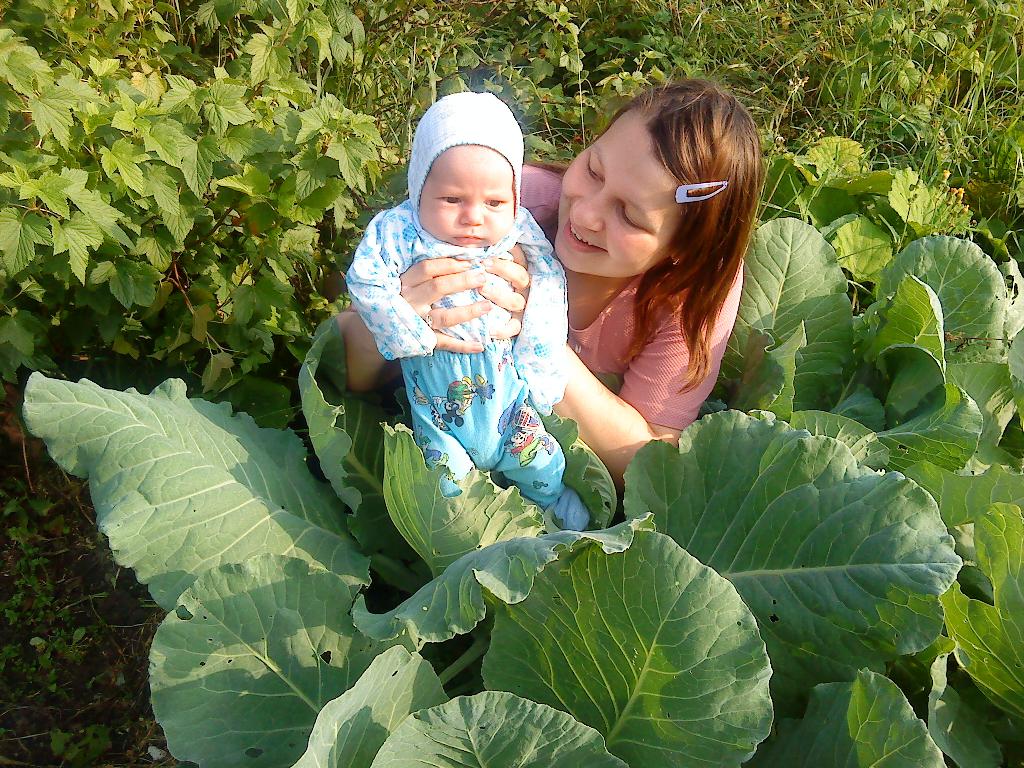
(326, 657)
(183, 613)
(230, 660)
(773, 618)
(253, 752)
(394, 673)
(202, 663)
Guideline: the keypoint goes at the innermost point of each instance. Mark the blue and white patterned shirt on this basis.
(394, 241)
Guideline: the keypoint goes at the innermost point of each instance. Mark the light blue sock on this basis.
(570, 512)
(448, 487)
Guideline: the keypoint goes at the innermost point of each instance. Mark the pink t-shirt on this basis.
(651, 381)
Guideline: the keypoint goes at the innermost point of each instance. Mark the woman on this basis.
(650, 222)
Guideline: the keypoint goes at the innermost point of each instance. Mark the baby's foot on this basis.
(569, 511)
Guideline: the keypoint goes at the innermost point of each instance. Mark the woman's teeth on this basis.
(580, 237)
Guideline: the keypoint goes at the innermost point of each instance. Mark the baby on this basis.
(479, 409)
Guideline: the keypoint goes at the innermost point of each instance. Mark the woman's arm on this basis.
(422, 285)
(612, 428)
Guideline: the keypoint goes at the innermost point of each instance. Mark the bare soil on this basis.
(75, 629)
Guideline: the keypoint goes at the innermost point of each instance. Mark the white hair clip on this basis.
(683, 190)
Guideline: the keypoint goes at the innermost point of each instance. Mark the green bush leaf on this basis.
(19, 236)
(241, 669)
(350, 730)
(841, 565)
(453, 603)
(181, 485)
(990, 638)
(864, 724)
(791, 277)
(493, 729)
(651, 648)
(76, 237)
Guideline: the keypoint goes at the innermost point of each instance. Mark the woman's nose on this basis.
(586, 213)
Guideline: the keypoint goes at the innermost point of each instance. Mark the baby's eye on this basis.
(495, 203)
(450, 199)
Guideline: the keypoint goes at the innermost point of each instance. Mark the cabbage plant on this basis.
(774, 588)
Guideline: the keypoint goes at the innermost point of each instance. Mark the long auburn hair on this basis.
(701, 133)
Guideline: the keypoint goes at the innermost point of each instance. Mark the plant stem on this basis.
(471, 654)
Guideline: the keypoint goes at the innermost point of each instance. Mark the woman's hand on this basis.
(429, 280)
(511, 299)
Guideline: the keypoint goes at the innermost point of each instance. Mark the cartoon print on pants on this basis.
(452, 408)
(527, 437)
(422, 398)
(432, 455)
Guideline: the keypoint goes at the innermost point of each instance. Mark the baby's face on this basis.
(467, 198)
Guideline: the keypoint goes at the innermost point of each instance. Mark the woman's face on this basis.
(617, 212)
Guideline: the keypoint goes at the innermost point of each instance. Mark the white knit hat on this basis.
(464, 118)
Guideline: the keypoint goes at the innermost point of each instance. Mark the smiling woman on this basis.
(654, 275)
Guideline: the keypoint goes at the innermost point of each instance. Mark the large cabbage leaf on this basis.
(240, 670)
(791, 277)
(946, 435)
(955, 727)
(864, 724)
(989, 386)
(841, 565)
(584, 471)
(962, 498)
(440, 528)
(346, 435)
(493, 729)
(350, 730)
(453, 603)
(990, 638)
(648, 646)
(861, 441)
(970, 289)
(181, 485)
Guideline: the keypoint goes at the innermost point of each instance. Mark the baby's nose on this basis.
(472, 214)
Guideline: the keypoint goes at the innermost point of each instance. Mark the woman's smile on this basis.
(578, 241)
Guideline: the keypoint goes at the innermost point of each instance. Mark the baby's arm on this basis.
(375, 286)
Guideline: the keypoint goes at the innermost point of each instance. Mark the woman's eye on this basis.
(625, 218)
(591, 171)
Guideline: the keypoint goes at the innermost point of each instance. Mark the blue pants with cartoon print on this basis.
(473, 410)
